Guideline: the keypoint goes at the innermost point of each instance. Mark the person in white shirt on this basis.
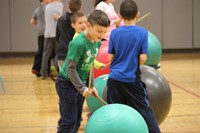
(53, 12)
(108, 8)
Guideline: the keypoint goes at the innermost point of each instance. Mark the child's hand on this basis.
(118, 21)
(95, 92)
(103, 66)
(87, 92)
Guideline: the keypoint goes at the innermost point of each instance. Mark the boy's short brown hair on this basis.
(75, 16)
(75, 5)
(98, 17)
(128, 9)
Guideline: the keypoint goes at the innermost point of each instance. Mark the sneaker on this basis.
(54, 71)
(37, 73)
(43, 77)
(89, 115)
(52, 77)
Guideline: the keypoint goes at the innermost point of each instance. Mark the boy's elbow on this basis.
(143, 58)
(56, 17)
(142, 62)
(33, 22)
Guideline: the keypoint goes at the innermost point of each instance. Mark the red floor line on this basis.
(183, 132)
(28, 94)
(187, 104)
(22, 109)
(184, 89)
(184, 115)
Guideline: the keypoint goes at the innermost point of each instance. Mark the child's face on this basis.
(80, 24)
(110, 1)
(97, 32)
(46, 1)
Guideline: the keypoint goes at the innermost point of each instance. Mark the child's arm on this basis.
(34, 18)
(58, 13)
(118, 21)
(144, 50)
(33, 21)
(142, 58)
(57, 16)
(76, 81)
(110, 58)
(99, 65)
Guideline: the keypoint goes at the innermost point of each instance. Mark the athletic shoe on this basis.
(37, 73)
(54, 71)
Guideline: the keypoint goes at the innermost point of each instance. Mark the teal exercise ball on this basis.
(116, 118)
(99, 83)
(154, 50)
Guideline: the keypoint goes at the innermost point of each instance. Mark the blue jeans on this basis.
(70, 106)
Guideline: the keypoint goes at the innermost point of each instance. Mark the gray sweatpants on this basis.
(49, 46)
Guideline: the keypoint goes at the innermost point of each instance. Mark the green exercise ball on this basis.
(154, 50)
(99, 83)
(116, 118)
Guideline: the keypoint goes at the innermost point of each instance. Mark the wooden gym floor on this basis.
(29, 105)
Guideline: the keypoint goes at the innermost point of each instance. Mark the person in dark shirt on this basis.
(64, 31)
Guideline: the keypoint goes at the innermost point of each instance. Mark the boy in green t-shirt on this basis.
(78, 22)
(71, 82)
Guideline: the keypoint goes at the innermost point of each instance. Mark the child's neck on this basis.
(107, 2)
(55, 0)
(130, 22)
(43, 3)
(88, 36)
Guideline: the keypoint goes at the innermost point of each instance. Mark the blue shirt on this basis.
(127, 43)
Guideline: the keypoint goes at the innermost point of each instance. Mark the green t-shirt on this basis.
(75, 35)
(83, 52)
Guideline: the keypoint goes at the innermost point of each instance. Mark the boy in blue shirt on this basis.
(127, 50)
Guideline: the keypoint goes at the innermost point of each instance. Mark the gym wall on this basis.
(174, 22)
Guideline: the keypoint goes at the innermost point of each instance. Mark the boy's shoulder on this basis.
(79, 40)
(66, 17)
(136, 27)
(82, 41)
(141, 28)
(40, 7)
(55, 3)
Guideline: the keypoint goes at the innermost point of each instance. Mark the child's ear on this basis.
(73, 25)
(88, 24)
(80, 8)
(137, 15)
(68, 7)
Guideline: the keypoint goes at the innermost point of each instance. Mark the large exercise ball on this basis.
(154, 50)
(116, 118)
(159, 92)
(102, 57)
(99, 84)
(158, 89)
